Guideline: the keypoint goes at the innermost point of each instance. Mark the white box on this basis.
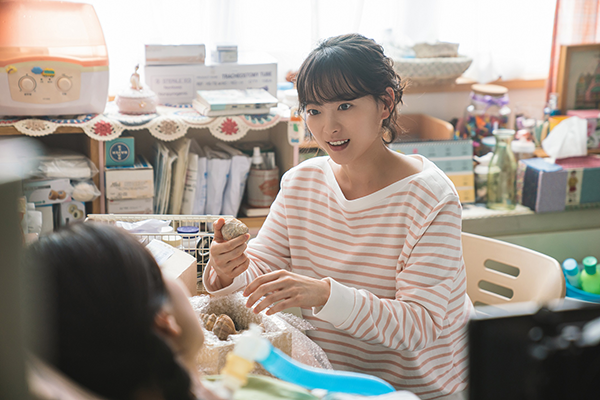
(130, 206)
(48, 191)
(177, 84)
(134, 182)
(169, 54)
(175, 263)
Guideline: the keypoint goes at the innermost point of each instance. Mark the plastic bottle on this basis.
(481, 177)
(257, 160)
(252, 347)
(502, 173)
(571, 271)
(590, 278)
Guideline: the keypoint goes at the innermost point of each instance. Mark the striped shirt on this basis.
(398, 305)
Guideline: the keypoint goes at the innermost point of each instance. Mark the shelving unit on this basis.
(71, 138)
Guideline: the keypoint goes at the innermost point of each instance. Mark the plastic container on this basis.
(488, 111)
(189, 237)
(590, 278)
(502, 173)
(571, 271)
(481, 171)
(522, 149)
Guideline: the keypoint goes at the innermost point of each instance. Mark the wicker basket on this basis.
(439, 49)
(432, 71)
(196, 244)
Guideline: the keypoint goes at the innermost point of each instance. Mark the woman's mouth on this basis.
(339, 142)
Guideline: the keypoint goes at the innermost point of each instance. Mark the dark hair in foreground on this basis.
(347, 67)
(101, 291)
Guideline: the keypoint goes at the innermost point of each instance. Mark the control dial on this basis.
(27, 84)
(64, 84)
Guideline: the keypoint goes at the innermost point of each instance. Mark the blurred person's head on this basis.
(109, 320)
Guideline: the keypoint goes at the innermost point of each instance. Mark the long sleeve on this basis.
(267, 252)
(429, 265)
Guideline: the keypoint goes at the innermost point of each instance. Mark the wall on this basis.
(448, 105)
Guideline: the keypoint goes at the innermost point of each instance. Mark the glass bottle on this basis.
(502, 173)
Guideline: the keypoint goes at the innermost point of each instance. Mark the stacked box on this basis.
(543, 187)
(130, 189)
(570, 183)
(177, 84)
(454, 157)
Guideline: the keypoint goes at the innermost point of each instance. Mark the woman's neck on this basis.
(364, 178)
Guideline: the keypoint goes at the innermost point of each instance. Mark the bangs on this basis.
(328, 79)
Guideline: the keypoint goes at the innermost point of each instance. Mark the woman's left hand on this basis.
(287, 289)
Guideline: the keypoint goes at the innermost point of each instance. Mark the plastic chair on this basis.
(500, 273)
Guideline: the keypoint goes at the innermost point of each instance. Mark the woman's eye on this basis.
(345, 106)
(312, 112)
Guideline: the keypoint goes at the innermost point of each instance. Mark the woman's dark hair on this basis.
(347, 67)
(101, 292)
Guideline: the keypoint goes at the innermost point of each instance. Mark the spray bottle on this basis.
(252, 347)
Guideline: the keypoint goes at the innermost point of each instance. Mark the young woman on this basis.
(109, 321)
(365, 241)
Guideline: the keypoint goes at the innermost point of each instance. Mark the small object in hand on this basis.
(233, 228)
(224, 327)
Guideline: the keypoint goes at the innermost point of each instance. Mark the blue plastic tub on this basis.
(579, 294)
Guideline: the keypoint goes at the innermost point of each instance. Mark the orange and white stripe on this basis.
(398, 305)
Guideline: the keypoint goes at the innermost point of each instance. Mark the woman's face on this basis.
(348, 130)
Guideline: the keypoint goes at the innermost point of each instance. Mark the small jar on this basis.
(189, 236)
(488, 111)
(522, 149)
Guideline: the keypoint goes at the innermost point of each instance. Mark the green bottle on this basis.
(590, 278)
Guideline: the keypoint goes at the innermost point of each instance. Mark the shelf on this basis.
(12, 131)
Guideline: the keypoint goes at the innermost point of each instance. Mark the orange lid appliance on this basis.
(53, 59)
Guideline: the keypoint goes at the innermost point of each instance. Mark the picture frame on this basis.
(578, 83)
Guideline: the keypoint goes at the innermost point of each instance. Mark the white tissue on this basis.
(567, 139)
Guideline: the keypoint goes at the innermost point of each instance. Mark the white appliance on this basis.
(53, 59)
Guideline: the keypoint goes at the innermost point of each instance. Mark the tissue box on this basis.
(134, 182)
(583, 182)
(543, 188)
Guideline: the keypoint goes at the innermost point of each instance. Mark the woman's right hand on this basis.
(228, 258)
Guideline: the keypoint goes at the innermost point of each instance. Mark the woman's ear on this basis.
(388, 103)
(166, 324)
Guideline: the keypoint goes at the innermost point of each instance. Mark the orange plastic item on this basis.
(50, 31)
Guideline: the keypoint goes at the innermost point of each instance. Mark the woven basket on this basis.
(432, 71)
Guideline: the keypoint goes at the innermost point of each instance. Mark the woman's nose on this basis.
(332, 124)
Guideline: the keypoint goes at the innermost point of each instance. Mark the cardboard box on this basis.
(48, 191)
(583, 182)
(130, 206)
(120, 152)
(134, 182)
(177, 84)
(175, 263)
(170, 54)
(434, 139)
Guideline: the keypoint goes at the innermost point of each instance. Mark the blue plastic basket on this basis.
(579, 294)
